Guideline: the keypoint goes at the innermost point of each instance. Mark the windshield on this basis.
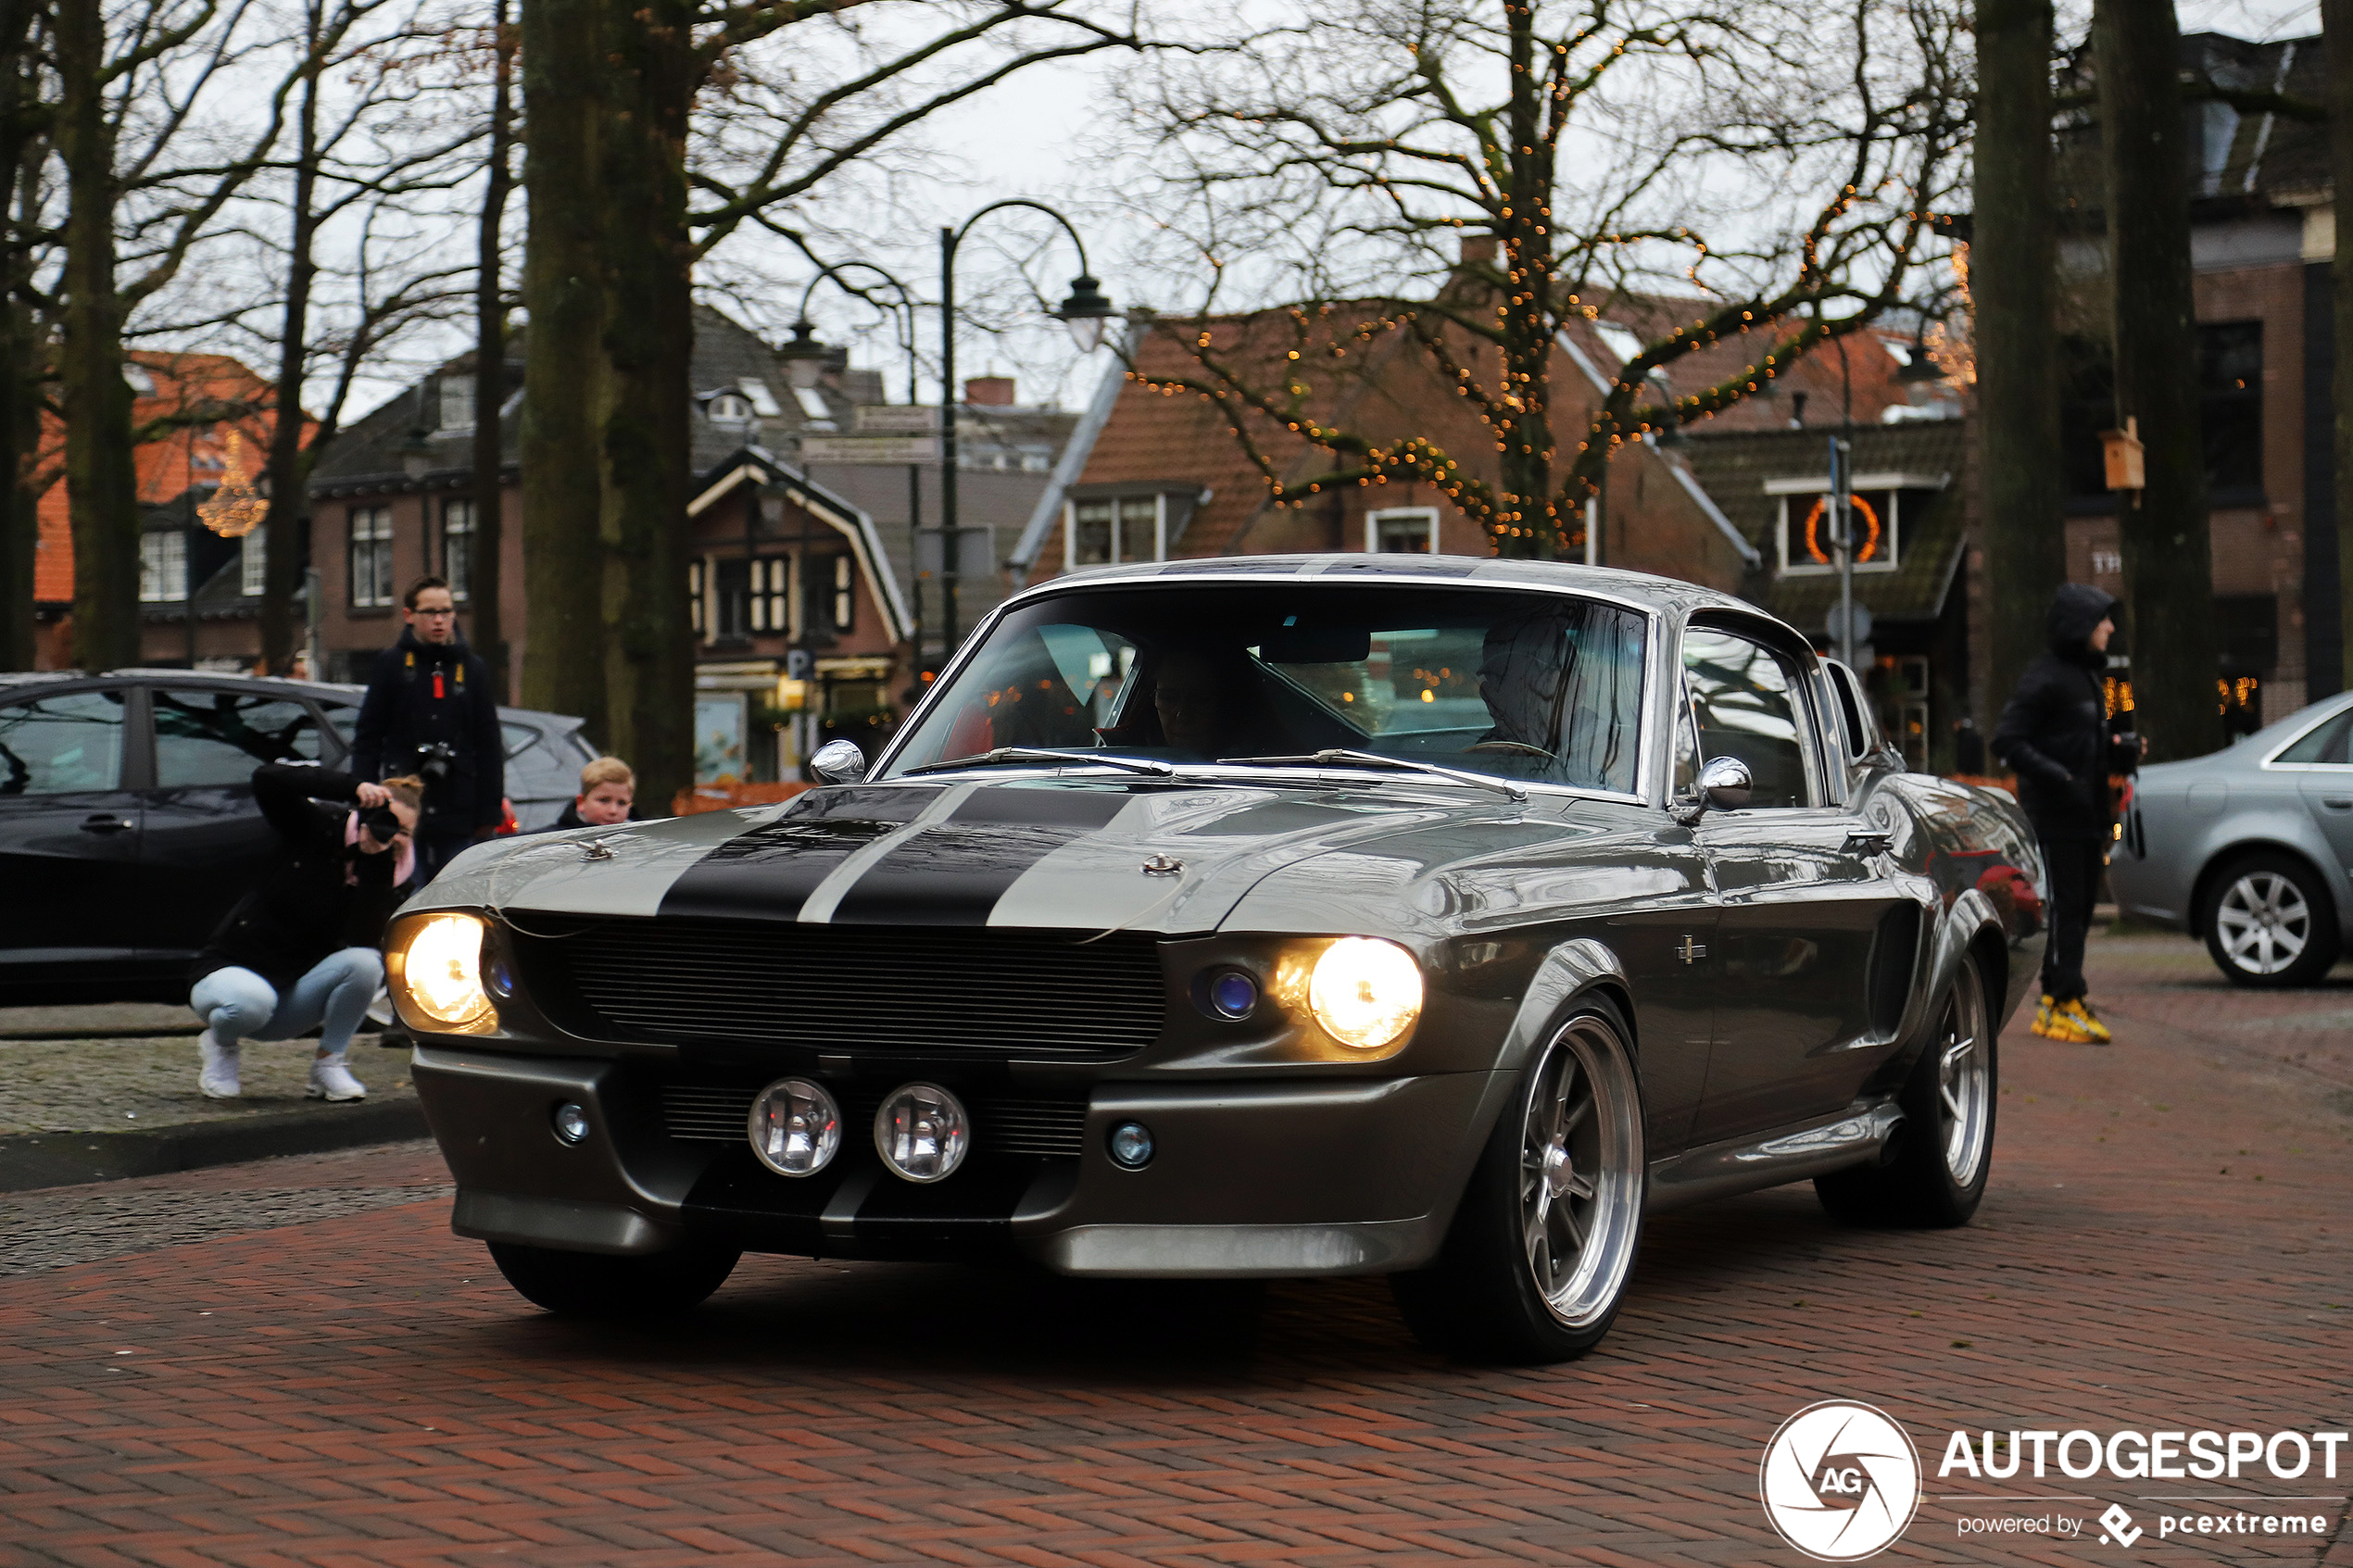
(1532, 686)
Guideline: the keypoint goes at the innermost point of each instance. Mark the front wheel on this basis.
(2269, 922)
(1937, 1165)
(597, 1285)
(1538, 1259)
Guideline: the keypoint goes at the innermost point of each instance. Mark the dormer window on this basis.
(457, 403)
(1806, 533)
(730, 409)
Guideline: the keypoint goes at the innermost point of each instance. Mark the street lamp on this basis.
(1086, 312)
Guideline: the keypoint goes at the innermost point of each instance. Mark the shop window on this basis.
(371, 557)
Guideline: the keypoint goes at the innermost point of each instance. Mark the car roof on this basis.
(335, 691)
(1641, 587)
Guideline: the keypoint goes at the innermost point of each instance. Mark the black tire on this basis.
(2269, 922)
(1936, 1165)
(597, 1285)
(1481, 1299)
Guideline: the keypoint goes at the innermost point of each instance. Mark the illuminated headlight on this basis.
(796, 1127)
(436, 969)
(1366, 992)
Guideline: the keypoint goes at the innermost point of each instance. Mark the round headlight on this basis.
(795, 1128)
(1366, 992)
(1232, 994)
(441, 970)
(922, 1132)
(1131, 1145)
(571, 1123)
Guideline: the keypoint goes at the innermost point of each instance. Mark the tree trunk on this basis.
(562, 75)
(649, 341)
(289, 465)
(1535, 528)
(21, 358)
(488, 566)
(102, 484)
(2012, 265)
(2336, 30)
(2169, 563)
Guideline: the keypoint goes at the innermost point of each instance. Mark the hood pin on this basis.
(1161, 865)
(596, 849)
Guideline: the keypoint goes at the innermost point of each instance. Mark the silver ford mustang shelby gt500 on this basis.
(1270, 916)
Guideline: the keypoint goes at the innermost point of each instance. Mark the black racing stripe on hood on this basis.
(953, 872)
(768, 873)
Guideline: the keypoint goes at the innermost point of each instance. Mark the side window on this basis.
(2322, 743)
(517, 738)
(61, 745)
(1748, 706)
(221, 737)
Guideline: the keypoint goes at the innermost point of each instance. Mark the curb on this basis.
(46, 1160)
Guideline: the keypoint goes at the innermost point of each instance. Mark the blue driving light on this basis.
(500, 978)
(1233, 993)
(1131, 1145)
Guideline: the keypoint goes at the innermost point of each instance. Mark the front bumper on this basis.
(1272, 1177)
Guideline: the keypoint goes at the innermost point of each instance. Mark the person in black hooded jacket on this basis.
(2055, 732)
(428, 690)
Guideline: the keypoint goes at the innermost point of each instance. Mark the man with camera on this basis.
(2056, 733)
(300, 951)
(430, 710)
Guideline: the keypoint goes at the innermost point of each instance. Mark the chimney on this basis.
(1478, 249)
(989, 392)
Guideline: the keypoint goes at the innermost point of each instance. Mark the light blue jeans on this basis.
(237, 1004)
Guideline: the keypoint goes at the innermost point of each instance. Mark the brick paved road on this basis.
(2165, 1245)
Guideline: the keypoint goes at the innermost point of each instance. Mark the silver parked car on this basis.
(2248, 848)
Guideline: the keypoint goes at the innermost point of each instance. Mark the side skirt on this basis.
(1786, 1154)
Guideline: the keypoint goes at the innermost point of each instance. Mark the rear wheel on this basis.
(1538, 1258)
(2269, 922)
(1938, 1161)
(597, 1285)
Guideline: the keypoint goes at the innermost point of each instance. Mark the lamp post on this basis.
(1086, 312)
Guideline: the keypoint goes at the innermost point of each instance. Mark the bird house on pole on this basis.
(2121, 448)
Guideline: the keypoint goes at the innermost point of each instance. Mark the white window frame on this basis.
(1891, 532)
(1070, 527)
(253, 563)
(371, 527)
(460, 583)
(163, 567)
(1373, 520)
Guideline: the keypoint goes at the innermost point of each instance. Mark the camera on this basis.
(432, 761)
(2125, 752)
(379, 823)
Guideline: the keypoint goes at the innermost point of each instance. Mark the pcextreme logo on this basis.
(1840, 1481)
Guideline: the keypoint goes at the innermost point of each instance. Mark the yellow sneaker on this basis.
(2079, 1013)
(2053, 1024)
(2042, 1014)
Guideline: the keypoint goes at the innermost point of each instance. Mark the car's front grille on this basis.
(719, 1113)
(847, 988)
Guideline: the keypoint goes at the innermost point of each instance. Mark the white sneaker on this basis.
(219, 1079)
(330, 1080)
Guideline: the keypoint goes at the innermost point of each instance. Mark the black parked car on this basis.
(127, 823)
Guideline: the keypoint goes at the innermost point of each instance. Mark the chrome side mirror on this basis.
(840, 761)
(1724, 782)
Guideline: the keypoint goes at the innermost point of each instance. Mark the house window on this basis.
(1410, 532)
(733, 597)
(694, 597)
(1106, 533)
(163, 567)
(769, 587)
(1807, 530)
(253, 563)
(457, 402)
(844, 593)
(371, 557)
(2230, 404)
(457, 548)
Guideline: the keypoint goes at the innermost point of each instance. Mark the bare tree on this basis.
(626, 197)
(24, 358)
(488, 586)
(1584, 155)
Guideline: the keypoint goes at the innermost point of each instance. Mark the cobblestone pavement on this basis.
(97, 1085)
(2164, 1246)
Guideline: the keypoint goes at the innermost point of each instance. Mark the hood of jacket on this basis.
(2076, 611)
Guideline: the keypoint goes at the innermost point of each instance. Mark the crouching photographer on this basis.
(301, 950)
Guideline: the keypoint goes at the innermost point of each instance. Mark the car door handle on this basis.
(2338, 802)
(107, 824)
(1868, 841)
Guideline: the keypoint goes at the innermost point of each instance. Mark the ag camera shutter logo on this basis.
(1840, 1481)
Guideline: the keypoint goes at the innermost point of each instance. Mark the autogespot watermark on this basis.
(1841, 1481)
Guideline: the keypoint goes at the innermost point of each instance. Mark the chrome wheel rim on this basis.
(1964, 1079)
(1581, 1173)
(2264, 922)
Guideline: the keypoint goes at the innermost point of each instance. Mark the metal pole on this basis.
(915, 526)
(948, 518)
(1843, 541)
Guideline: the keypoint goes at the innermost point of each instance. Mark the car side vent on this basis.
(1895, 949)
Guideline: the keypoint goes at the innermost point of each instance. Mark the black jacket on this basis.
(421, 693)
(319, 896)
(2055, 729)
(571, 818)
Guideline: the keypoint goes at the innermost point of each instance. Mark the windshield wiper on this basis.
(1039, 754)
(1376, 759)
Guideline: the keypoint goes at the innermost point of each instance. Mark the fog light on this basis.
(1131, 1145)
(795, 1128)
(922, 1132)
(500, 978)
(1233, 995)
(571, 1123)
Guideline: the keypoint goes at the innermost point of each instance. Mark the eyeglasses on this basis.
(433, 612)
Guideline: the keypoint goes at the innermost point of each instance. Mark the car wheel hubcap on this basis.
(1581, 1174)
(1963, 1079)
(2264, 922)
